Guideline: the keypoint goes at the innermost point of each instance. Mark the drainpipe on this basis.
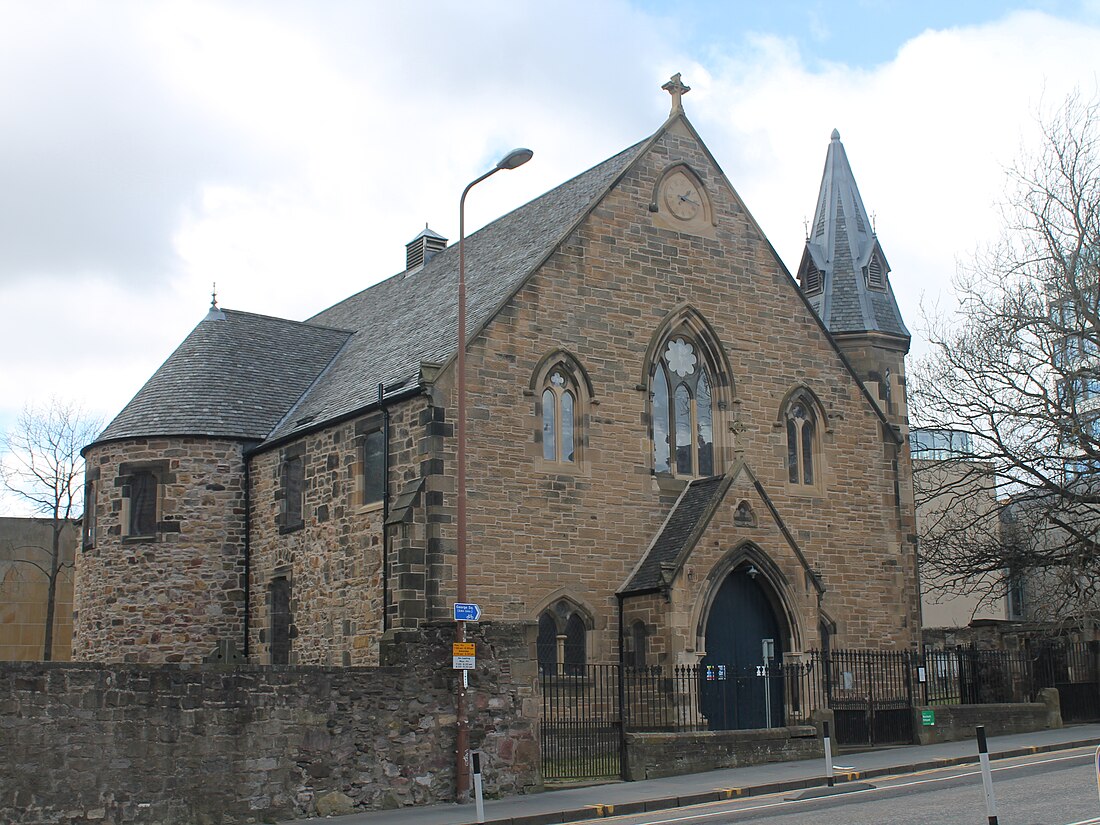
(385, 512)
(247, 547)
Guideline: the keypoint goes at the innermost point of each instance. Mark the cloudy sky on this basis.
(288, 150)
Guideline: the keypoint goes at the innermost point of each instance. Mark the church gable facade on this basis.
(665, 444)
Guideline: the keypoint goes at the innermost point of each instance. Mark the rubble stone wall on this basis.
(139, 743)
(174, 595)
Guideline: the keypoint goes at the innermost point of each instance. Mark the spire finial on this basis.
(215, 312)
(836, 134)
(677, 89)
(806, 226)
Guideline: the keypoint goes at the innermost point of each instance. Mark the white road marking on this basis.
(793, 802)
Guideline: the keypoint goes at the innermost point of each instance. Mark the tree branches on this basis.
(1019, 372)
(42, 466)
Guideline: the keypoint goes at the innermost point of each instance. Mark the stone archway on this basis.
(746, 630)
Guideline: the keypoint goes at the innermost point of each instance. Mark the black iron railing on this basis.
(588, 709)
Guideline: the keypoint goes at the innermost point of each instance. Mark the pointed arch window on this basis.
(559, 406)
(563, 392)
(562, 645)
(682, 408)
(802, 436)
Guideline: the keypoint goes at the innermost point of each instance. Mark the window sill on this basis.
(668, 483)
(139, 539)
(806, 490)
(371, 507)
(290, 528)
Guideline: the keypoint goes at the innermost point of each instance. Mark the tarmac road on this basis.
(1041, 789)
(1057, 795)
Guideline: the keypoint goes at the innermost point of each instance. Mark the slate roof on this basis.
(405, 320)
(679, 533)
(234, 376)
(840, 245)
(255, 377)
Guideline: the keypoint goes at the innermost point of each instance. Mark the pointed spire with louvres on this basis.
(844, 272)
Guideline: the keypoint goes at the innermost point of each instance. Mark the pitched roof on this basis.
(254, 377)
(234, 376)
(405, 320)
(841, 245)
(686, 520)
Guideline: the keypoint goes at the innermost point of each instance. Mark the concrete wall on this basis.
(652, 755)
(204, 744)
(957, 722)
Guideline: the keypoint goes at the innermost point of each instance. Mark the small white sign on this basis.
(463, 662)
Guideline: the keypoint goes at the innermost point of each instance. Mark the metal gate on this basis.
(871, 696)
(1074, 669)
(581, 734)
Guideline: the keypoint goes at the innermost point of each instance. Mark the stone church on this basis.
(675, 448)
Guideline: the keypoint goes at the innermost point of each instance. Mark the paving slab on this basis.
(597, 801)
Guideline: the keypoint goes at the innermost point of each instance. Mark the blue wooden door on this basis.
(734, 696)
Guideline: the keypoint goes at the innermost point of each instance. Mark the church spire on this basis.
(844, 272)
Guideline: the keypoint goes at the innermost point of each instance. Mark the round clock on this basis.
(682, 197)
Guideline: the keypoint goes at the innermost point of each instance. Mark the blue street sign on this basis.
(467, 612)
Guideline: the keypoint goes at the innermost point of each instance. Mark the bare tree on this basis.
(1018, 371)
(42, 466)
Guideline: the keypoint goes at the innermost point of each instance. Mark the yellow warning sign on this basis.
(462, 649)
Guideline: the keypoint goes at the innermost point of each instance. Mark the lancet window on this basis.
(802, 439)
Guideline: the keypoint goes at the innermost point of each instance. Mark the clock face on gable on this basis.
(681, 197)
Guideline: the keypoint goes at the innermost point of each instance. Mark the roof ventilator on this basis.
(420, 249)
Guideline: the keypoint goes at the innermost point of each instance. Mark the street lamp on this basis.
(517, 157)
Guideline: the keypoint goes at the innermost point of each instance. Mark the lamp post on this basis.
(517, 157)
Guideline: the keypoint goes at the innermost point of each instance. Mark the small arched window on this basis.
(682, 407)
(801, 423)
(559, 406)
(562, 645)
(562, 390)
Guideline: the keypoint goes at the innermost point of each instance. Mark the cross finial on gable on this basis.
(677, 89)
(214, 296)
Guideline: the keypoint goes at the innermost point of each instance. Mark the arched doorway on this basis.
(741, 682)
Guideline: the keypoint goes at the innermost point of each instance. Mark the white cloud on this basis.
(288, 151)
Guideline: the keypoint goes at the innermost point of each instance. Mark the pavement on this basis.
(593, 802)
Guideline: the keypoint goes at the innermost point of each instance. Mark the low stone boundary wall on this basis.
(653, 755)
(957, 722)
(234, 744)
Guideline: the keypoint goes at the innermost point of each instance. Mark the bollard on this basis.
(829, 778)
(480, 802)
(987, 776)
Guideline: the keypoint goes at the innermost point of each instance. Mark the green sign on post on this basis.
(928, 717)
